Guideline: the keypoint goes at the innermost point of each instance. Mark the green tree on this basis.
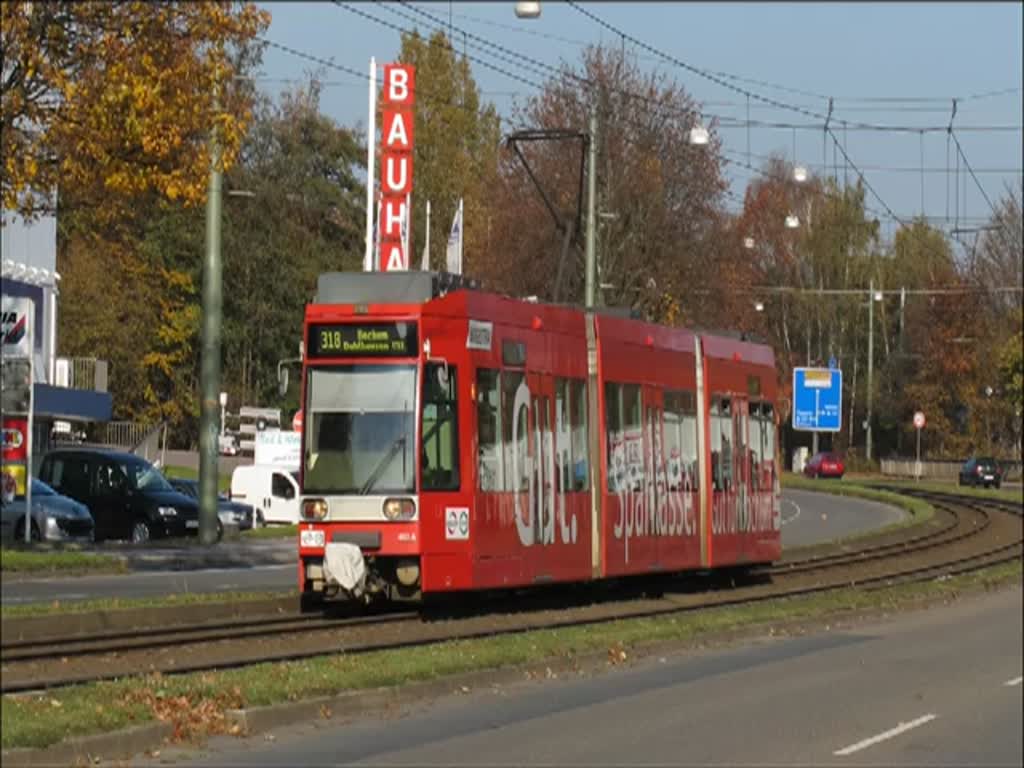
(301, 212)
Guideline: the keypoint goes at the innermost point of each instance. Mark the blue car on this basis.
(228, 512)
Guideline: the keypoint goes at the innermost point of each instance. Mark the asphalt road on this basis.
(938, 687)
(807, 518)
(813, 518)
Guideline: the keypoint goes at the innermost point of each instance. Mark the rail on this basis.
(982, 532)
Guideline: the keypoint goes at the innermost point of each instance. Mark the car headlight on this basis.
(167, 511)
(314, 509)
(399, 509)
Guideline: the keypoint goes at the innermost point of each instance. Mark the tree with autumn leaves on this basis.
(110, 101)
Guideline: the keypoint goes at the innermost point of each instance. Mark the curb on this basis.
(253, 720)
(85, 749)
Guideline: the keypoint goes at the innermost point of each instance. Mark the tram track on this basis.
(980, 533)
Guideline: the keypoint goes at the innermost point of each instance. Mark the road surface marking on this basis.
(901, 728)
(794, 517)
(1015, 681)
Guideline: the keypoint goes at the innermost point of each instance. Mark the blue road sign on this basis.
(832, 362)
(818, 399)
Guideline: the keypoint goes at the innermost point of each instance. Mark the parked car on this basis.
(127, 496)
(54, 517)
(272, 490)
(228, 512)
(981, 471)
(825, 464)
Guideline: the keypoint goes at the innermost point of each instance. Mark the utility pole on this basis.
(209, 407)
(871, 355)
(591, 267)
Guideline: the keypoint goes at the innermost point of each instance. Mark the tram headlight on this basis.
(399, 509)
(314, 509)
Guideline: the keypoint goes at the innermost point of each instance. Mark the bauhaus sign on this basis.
(396, 163)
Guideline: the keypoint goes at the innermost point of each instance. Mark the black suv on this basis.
(981, 471)
(127, 496)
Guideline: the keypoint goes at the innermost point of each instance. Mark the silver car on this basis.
(54, 517)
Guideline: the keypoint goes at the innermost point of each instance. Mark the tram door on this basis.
(542, 453)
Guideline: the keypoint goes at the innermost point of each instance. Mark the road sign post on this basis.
(919, 422)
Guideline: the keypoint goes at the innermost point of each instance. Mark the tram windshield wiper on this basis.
(382, 465)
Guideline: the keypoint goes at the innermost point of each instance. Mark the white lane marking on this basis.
(901, 728)
(794, 517)
(1015, 681)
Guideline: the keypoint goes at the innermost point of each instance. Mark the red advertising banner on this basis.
(396, 166)
(15, 440)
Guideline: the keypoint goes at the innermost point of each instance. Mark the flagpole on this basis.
(462, 233)
(425, 263)
(368, 258)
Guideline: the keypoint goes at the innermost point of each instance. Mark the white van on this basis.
(273, 491)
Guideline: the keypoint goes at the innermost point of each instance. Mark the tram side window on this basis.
(721, 444)
(633, 425)
(768, 432)
(580, 444)
(683, 407)
(440, 458)
(756, 444)
(673, 452)
(514, 433)
(613, 419)
(571, 435)
(488, 425)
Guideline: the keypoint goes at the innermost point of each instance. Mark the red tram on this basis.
(455, 439)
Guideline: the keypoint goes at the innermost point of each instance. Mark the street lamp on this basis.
(699, 135)
(792, 221)
(800, 174)
(525, 10)
(223, 407)
(759, 306)
(748, 243)
(873, 296)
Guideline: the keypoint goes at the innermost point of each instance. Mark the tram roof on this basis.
(418, 287)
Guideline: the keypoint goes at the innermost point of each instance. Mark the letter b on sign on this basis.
(399, 84)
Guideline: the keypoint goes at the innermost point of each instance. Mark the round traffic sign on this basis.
(297, 421)
(919, 421)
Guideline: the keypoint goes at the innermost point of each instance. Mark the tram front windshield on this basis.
(360, 430)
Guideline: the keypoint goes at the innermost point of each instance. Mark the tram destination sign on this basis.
(363, 340)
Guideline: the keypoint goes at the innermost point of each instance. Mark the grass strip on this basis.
(272, 532)
(195, 703)
(107, 604)
(17, 560)
(1004, 494)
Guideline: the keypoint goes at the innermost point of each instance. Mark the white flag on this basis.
(454, 251)
(425, 261)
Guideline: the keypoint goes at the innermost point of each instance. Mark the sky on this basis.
(885, 64)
